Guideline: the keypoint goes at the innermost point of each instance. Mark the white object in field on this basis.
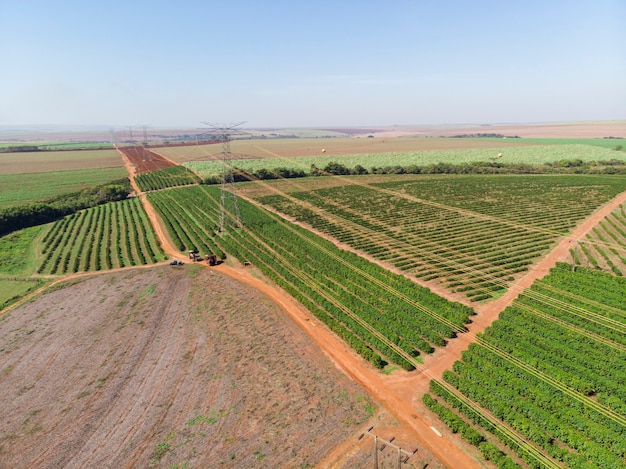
(436, 431)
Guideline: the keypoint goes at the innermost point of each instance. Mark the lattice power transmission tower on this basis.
(230, 217)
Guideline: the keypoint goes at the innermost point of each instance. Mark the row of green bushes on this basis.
(575, 166)
(457, 425)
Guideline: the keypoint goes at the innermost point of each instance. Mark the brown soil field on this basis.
(547, 130)
(43, 161)
(592, 129)
(168, 366)
(141, 160)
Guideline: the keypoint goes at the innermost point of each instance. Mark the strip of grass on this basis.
(610, 143)
(13, 289)
(18, 251)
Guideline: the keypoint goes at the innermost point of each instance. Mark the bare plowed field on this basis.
(143, 160)
(167, 367)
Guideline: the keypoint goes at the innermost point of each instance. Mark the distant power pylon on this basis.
(113, 137)
(146, 156)
(230, 217)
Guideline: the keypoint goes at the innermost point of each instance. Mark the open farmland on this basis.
(472, 234)
(44, 161)
(468, 238)
(108, 236)
(142, 159)
(290, 148)
(610, 143)
(167, 177)
(18, 189)
(605, 247)
(383, 316)
(536, 155)
(551, 368)
(32, 176)
(143, 368)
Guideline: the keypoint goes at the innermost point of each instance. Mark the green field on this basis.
(385, 317)
(108, 236)
(610, 143)
(12, 289)
(514, 155)
(605, 247)
(44, 161)
(167, 177)
(53, 145)
(18, 251)
(17, 189)
(552, 369)
(472, 234)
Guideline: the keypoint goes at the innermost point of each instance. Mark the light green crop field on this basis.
(18, 251)
(17, 189)
(597, 142)
(539, 154)
(296, 147)
(53, 145)
(43, 161)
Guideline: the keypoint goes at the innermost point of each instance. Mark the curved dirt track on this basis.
(375, 383)
(400, 392)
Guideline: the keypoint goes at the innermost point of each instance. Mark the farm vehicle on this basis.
(210, 259)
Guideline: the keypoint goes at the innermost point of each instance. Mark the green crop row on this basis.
(166, 177)
(457, 425)
(472, 234)
(191, 221)
(384, 316)
(552, 368)
(107, 236)
(605, 247)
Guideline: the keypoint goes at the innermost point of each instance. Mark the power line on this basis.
(230, 217)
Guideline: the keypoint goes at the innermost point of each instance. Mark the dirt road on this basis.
(376, 384)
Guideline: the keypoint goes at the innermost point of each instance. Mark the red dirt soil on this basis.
(164, 366)
(141, 160)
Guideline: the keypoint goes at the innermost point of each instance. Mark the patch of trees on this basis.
(38, 213)
(20, 148)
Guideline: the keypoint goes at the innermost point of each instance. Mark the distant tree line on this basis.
(565, 166)
(484, 136)
(20, 148)
(38, 213)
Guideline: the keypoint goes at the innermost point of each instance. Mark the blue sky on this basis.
(321, 63)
